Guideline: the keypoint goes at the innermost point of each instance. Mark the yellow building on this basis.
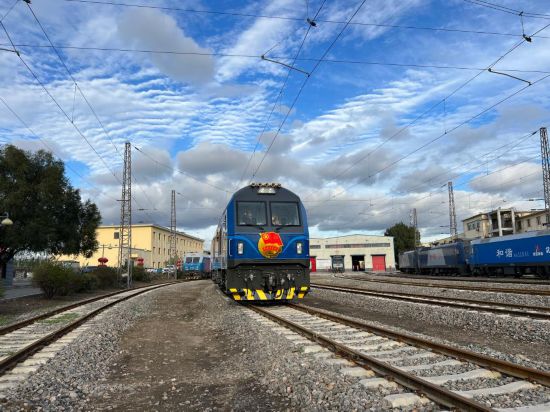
(149, 242)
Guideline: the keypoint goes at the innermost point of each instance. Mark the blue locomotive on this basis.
(261, 247)
(513, 255)
(197, 264)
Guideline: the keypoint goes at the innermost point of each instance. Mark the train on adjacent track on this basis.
(197, 264)
(261, 247)
(512, 255)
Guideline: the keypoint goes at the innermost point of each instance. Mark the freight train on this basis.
(261, 247)
(197, 264)
(512, 255)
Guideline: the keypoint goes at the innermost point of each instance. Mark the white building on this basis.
(360, 252)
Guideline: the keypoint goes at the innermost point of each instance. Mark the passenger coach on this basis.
(261, 247)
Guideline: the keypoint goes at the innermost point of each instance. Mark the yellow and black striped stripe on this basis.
(259, 294)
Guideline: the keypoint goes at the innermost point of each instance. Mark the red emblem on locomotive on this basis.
(270, 244)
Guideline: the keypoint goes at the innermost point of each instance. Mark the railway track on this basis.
(50, 332)
(472, 279)
(408, 365)
(518, 291)
(535, 312)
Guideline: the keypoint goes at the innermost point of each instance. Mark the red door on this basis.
(313, 264)
(379, 263)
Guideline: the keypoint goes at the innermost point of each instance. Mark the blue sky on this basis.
(364, 139)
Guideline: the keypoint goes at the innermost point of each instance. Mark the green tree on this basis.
(47, 212)
(403, 237)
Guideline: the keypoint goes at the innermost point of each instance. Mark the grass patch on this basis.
(4, 320)
(65, 318)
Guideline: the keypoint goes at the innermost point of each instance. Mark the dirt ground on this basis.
(183, 356)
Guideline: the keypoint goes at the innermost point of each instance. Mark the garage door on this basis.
(379, 263)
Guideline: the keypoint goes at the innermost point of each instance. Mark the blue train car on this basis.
(197, 264)
(443, 259)
(525, 253)
(261, 247)
(408, 261)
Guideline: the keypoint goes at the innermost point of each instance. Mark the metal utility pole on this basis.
(545, 172)
(452, 212)
(125, 232)
(173, 252)
(414, 224)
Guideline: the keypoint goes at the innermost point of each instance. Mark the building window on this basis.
(115, 235)
(528, 222)
(538, 220)
(315, 246)
(519, 224)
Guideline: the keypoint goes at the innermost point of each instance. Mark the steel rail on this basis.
(508, 368)
(25, 322)
(458, 287)
(436, 393)
(9, 362)
(535, 312)
(472, 279)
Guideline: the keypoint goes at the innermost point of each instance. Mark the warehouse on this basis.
(360, 252)
(149, 242)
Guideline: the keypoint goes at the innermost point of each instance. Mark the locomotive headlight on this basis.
(240, 248)
(299, 248)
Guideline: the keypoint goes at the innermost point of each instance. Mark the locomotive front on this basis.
(265, 236)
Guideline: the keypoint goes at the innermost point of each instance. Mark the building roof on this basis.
(474, 216)
(354, 234)
(152, 225)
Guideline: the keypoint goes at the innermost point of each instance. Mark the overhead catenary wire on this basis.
(288, 18)
(500, 58)
(277, 100)
(302, 88)
(50, 148)
(508, 10)
(102, 126)
(258, 57)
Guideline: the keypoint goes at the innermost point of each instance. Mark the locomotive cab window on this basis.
(251, 213)
(285, 214)
(188, 260)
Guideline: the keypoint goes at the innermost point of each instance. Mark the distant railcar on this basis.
(515, 255)
(195, 264)
(443, 259)
(261, 247)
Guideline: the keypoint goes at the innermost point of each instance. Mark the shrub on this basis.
(106, 276)
(140, 275)
(85, 282)
(54, 279)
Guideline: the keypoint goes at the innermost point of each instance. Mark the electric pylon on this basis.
(452, 212)
(173, 250)
(545, 172)
(125, 232)
(414, 224)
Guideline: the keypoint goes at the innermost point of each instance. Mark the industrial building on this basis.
(360, 252)
(149, 242)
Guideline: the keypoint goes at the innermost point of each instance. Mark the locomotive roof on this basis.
(251, 193)
(534, 233)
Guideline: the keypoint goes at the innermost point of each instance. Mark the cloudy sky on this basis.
(374, 118)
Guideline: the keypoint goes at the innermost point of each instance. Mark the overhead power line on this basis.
(282, 58)
(431, 108)
(302, 88)
(508, 10)
(51, 149)
(291, 18)
(278, 99)
(77, 87)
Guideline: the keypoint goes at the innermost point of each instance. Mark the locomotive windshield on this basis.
(284, 214)
(251, 213)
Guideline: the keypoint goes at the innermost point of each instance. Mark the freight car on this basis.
(261, 247)
(513, 255)
(197, 264)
